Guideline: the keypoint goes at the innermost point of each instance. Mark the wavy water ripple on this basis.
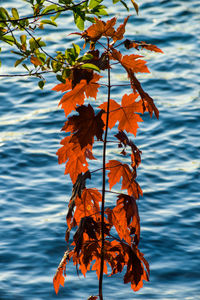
(34, 192)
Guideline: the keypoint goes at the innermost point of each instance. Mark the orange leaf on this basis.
(88, 204)
(63, 87)
(136, 65)
(85, 126)
(148, 101)
(36, 61)
(75, 157)
(119, 34)
(136, 273)
(133, 44)
(125, 114)
(118, 170)
(78, 93)
(59, 278)
(130, 62)
(99, 29)
(124, 216)
(136, 153)
(76, 166)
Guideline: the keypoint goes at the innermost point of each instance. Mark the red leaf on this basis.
(136, 65)
(136, 153)
(135, 273)
(59, 279)
(130, 62)
(88, 205)
(132, 44)
(99, 29)
(118, 170)
(125, 114)
(78, 93)
(119, 34)
(85, 126)
(148, 101)
(36, 61)
(74, 156)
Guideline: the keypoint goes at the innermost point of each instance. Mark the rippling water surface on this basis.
(34, 191)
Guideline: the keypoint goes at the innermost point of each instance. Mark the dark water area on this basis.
(34, 191)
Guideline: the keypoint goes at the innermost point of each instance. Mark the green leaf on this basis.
(41, 56)
(8, 39)
(60, 78)
(53, 18)
(87, 57)
(66, 73)
(25, 66)
(94, 3)
(115, 1)
(16, 52)
(125, 5)
(33, 44)
(41, 84)
(3, 13)
(90, 66)
(23, 39)
(49, 22)
(79, 21)
(15, 13)
(65, 1)
(77, 50)
(56, 66)
(102, 12)
(135, 6)
(50, 8)
(19, 61)
(42, 43)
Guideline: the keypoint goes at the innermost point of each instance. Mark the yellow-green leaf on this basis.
(135, 6)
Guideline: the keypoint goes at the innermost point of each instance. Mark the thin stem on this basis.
(30, 34)
(24, 75)
(103, 188)
(45, 14)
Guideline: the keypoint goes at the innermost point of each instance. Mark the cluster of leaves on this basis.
(110, 237)
(20, 32)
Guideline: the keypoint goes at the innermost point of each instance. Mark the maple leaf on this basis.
(124, 216)
(89, 226)
(119, 34)
(85, 126)
(130, 62)
(118, 170)
(136, 153)
(125, 114)
(99, 29)
(78, 187)
(63, 87)
(136, 65)
(133, 44)
(75, 157)
(77, 95)
(148, 101)
(135, 272)
(88, 205)
(59, 279)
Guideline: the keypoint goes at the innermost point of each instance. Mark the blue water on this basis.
(34, 191)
